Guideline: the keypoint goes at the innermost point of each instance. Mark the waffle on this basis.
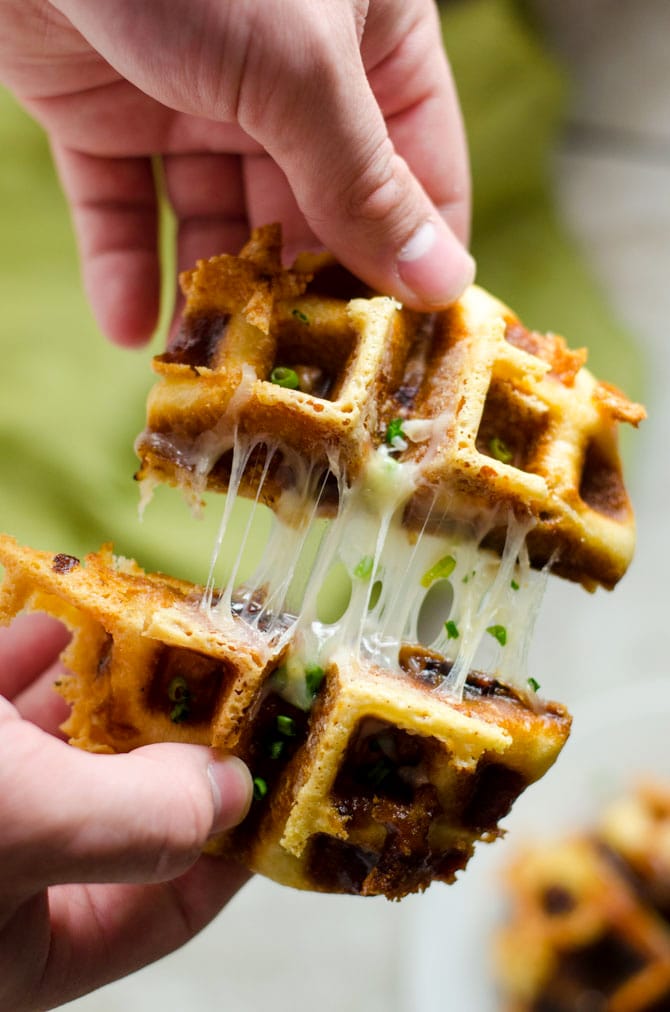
(637, 829)
(456, 457)
(579, 936)
(372, 784)
(489, 417)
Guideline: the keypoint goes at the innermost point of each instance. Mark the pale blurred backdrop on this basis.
(568, 113)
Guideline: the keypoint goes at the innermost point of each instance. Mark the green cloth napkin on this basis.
(71, 404)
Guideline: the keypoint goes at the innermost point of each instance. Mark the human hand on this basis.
(338, 118)
(70, 820)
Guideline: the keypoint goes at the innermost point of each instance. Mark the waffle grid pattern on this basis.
(496, 417)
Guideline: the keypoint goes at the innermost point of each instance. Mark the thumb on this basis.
(325, 129)
(72, 816)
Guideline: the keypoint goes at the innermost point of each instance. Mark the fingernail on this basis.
(434, 266)
(232, 790)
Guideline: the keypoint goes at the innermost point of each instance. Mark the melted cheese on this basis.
(494, 598)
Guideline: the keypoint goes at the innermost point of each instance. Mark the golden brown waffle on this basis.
(375, 784)
(579, 936)
(589, 918)
(492, 417)
(637, 829)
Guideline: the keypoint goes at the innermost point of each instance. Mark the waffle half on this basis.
(489, 417)
(374, 784)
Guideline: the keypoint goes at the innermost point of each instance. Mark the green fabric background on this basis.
(71, 404)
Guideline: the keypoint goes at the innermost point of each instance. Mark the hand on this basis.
(137, 822)
(338, 118)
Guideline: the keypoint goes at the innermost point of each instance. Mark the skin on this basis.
(338, 118)
(136, 823)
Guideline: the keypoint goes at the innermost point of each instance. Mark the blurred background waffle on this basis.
(582, 248)
(586, 925)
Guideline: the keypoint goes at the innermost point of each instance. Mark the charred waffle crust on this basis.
(380, 787)
(589, 916)
(504, 418)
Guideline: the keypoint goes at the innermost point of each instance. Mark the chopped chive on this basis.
(285, 377)
(469, 576)
(260, 788)
(500, 450)
(514, 585)
(285, 725)
(394, 431)
(299, 315)
(276, 748)
(178, 690)
(375, 594)
(180, 712)
(452, 630)
(533, 684)
(499, 632)
(364, 568)
(376, 775)
(442, 570)
(179, 693)
(314, 675)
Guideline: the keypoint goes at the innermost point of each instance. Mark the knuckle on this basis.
(376, 191)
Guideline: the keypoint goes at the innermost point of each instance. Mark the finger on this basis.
(424, 118)
(114, 210)
(206, 192)
(28, 646)
(326, 131)
(41, 704)
(71, 816)
(87, 936)
(270, 198)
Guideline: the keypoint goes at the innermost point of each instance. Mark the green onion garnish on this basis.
(514, 585)
(469, 576)
(260, 788)
(533, 684)
(180, 712)
(314, 675)
(375, 594)
(299, 315)
(394, 430)
(285, 377)
(178, 689)
(442, 570)
(285, 725)
(276, 748)
(376, 775)
(499, 632)
(500, 450)
(452, 630)
(364, 568)
(179, 694)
